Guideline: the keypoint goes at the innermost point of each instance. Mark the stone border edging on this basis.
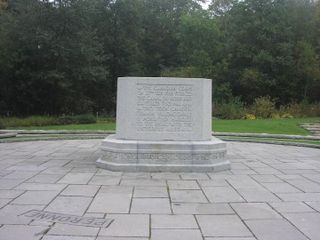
(8, 134)
(257, 135)
(273, 142)
(267, 135)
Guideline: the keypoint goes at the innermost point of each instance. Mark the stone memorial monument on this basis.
(163, 124)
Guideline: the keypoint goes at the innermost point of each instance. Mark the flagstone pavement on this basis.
(271, 193)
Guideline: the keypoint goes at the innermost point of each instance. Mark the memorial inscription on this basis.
(164, 107)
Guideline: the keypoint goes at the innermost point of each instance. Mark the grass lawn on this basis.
(276, 126)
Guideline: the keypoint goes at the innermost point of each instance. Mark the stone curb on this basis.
(58, 131)
(12, 140)
(7, 135)
(273, 142)
(267, 135)
(257, 135)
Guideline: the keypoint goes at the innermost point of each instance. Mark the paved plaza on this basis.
(271, 193)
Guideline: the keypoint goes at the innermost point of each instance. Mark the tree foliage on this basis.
(64, 56)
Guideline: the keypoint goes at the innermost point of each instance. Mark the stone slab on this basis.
(151, 108)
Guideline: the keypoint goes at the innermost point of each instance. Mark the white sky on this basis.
(206, 5)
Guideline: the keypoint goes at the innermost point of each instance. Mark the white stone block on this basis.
(163, 124)
(152, 108)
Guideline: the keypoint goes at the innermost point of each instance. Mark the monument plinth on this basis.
(163, 124)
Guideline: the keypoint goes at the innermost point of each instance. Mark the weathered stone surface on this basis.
(164, 108)
(163, 124)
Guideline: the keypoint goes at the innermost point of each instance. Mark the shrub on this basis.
(275, 116)
(234, 109)
(286, 115)
(302, 109)
(85, 118)
(29, 121)
(1, 124)
(249, 116)
(264, 107)
(77, 119)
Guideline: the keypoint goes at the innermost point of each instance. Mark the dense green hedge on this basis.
(11, 122)
(264, 107)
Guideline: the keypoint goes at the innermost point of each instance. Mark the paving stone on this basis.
(122, 238)
(138, 176)
(289, 176)
(36, 197)
(57, 170)
(65, 229)
(80, 190)
(18, 232)
(299, 197)
(10, 193)
(165, 175)
(233, 238)
(6, 184)
(313, 177)
(10, 213)
(4, 201)
(69, 205)
(126, 225)
(105, 180)
(143, 182)
(305, 185)
(46, 178)
(280, 187)
(176, 234)
(183, 184)
(197, 176)
(41, 187)
(266, 178)
(308, 223)
(111, 203)
(314, 205)
(290, 207)
(222, 194)
(222, 226)
(20, 175)
(254, 211)
(201, 208)
(67, 238)
(150, 192)
(187, 196)
(76, 178)
(213, 183)
(274, 229)
(258, 195)
(151, 205)
(173, 221)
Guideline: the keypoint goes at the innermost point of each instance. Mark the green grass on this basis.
(231, 138)
(275, 126)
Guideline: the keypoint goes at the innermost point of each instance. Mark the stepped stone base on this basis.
(163, 156)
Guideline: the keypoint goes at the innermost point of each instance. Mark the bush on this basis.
(275, 116)
(234, 109)
(303, 109)
(1, 124)
(77, 119)
(8, 122)
(249, 116)
(286, 115)
(263, 107)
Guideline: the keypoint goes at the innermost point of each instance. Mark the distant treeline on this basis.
(64, 56)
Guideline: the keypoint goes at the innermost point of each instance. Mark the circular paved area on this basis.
(271, 193)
